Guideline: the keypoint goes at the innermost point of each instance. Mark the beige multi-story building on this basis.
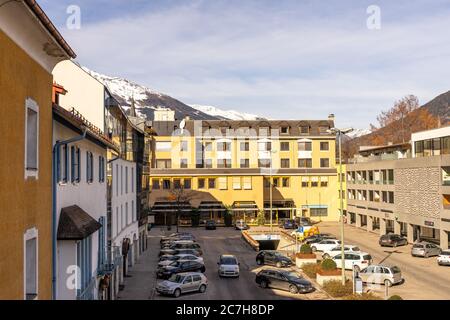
(246, 167)
(403, 190)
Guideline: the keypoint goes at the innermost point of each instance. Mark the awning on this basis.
(76, 224)
(245, 204)
(284, 203)
(171, 206)
(211, 206)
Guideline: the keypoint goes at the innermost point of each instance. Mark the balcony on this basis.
(112, 260)
(88, 292)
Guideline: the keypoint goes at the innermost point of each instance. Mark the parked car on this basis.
(425, 249)
(381, 274)
(283, 280)
(288, 224)
(173, 248)
(325, 245)
(166, 272)
(241, 225)
(167, 257)
(303, 221)
(318, 237)
(210, 225)
(228, 266)
(180, 251)
(444, 258)
(334, 251)
(183, 283)
(178, 236)
(274, 258)
(181, 257)
(392, 240)
(353, 260)
(169, 244)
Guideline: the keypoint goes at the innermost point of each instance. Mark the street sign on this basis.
(358, 285)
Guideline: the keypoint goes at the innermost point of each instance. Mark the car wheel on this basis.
(387, 283)
(177, 293)
(293, 289)
(202, 288)
(263, 284)
(314, 249)
(259, 262)
(203, 269)
(278, 264)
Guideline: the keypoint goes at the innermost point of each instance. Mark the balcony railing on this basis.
(112, 260)
(88, 292)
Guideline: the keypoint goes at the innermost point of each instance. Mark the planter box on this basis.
(300, 262)
(321, 279)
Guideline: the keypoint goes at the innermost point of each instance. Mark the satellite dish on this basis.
(182, 125)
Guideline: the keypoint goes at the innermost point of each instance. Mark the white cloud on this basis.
(253, 60)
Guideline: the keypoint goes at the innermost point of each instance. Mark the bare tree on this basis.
(181, 197)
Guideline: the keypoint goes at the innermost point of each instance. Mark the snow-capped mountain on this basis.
(226, 114)
(358, 133)
(146, 100)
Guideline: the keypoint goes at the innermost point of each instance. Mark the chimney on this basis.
(331, 117)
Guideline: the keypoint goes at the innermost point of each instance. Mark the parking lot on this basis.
(424, 278)
(214, 243)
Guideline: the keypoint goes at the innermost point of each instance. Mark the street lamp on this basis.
(340, 132)
(270, 189)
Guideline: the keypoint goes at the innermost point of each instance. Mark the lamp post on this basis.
(270, 189)
(340, 132)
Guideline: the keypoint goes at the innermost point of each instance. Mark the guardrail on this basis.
(252, 242)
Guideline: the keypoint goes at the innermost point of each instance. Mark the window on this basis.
(265, 146)
(304, 129)
(163, 146)
(319, 212)
(101, 169)
(237, 183)
(391, 197)
(155, 184)
(201, 183)
(117, 180)
(418, 148)
(133, 213)
(183, 163)
(305, 146)
(324, 146)
(223, 163)
(284, 146)
(324, 182)
(284, 130)
(32, 138)
(166, 184)
(176, 183)
(223, 184)
(126, 180)
(31, 264)
(245, 163)
(305, 163)
(89, 167)
(244, 146)
(75, 164)
(266, 183)
(314, 182)
(207, 146)
(184, 146)
(132, 179)
(276, 182)
(211, 183)
(247, 183)
(445, 145)
(223, 146)
(324, 162)
(208, 163)
(187, 183)
(63, 163)
(84, 262)
(436, 146)
(284, 163)
(305, 182)
(163, 163)
(264, 163)
(126, 213)
(117, 220)
(285, 182)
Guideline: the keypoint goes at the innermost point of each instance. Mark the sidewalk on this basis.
(141, 284)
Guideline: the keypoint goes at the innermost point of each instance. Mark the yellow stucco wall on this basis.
(24, 204)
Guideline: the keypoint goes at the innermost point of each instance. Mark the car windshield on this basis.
(290, 275)
(445, 253)
(228, 261)
(174, 264)
(176, 278)
(418, 245)
(367, 257)
(278, 254)
(356, 249)
(395, 269)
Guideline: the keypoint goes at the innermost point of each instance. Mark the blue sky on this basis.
(287, 59)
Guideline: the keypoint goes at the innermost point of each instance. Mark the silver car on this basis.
(183, 283)
(425, 249)
(381, 274)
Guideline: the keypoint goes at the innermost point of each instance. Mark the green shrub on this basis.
(328, 265)
(305, 249)
(364, 296)
(395, 297)
(337, 290)
(310, 269)
(261, 220)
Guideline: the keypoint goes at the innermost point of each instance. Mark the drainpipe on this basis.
(54, 182)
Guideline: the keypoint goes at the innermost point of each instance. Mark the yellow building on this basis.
(213, 166)
(30, 47)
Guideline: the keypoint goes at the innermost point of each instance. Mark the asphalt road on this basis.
(227, 240)
(424, 278)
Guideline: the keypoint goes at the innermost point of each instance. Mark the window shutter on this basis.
(72, 164)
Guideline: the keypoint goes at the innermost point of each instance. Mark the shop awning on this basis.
(211, 206)
(76, 224)
(171, 206)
